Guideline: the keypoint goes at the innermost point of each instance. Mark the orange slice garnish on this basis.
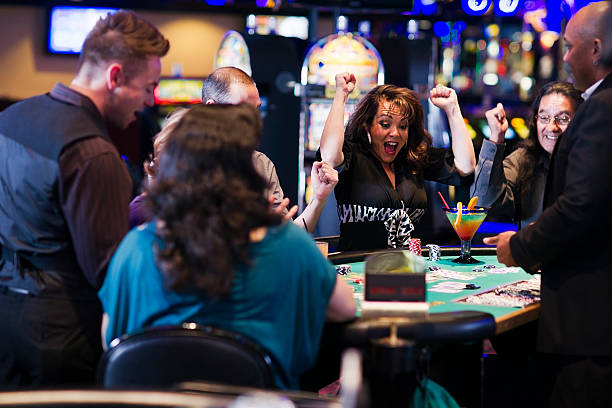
(459, 210)
(472, 203)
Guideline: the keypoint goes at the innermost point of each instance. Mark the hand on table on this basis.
(443, 97)
(498, 123)
(502, 240)
(323, 178)
(282, 206)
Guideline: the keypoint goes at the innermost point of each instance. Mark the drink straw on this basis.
(443, 200)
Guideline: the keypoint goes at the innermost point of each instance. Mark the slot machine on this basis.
(331, 55)
(273, 61)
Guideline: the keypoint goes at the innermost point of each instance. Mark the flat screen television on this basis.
(286, 26)
(68, 27)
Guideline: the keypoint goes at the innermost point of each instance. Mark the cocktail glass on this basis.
(466, 228)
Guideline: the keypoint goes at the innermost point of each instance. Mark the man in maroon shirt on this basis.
(64, 203)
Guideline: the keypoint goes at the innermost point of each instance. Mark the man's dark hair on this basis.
(217, 85)
(125, 37)
(208, 197)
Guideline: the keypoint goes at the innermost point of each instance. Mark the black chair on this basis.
(161, 357)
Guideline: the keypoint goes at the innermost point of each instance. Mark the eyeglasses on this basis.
(562, 120)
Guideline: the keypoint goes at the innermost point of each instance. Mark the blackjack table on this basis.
(465, 301)
(470, 306)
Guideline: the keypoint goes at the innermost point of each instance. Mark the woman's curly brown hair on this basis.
(208, 197)
(412, 156)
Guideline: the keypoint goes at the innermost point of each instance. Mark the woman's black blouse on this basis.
(373, 214)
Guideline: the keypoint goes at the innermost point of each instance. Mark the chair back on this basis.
(161, 357)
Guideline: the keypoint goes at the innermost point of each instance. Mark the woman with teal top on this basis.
(217, 255)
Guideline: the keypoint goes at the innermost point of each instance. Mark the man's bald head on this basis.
(589, 20)
(230, 85)
(584, 37)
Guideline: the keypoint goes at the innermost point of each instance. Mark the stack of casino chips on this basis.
(414, 246)
(343, 269)
(434, 252)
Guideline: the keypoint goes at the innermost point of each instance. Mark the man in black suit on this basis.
(571, 240)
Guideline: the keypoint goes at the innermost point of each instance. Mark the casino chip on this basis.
(434, 252)
(343, 269)
(434, 268)
(489, 266)
(414, 246)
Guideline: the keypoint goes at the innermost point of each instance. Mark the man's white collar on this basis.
(589, 91)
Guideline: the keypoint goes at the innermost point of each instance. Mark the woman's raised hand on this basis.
(345, 83)
(332, 138)
(446, 99)
(443, 97)
(498, 123)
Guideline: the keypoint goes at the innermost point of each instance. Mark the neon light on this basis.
(507, 7)
(427, 7)
(476, 7)
(554, 15)
(441, 28)
(459, 26)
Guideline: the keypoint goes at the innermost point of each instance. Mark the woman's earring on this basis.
(369, 138)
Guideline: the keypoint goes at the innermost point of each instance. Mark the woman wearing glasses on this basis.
(515, 188)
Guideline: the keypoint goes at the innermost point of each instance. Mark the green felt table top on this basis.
(446, 302)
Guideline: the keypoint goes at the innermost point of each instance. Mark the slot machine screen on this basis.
(318, 115)
(178, 91)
